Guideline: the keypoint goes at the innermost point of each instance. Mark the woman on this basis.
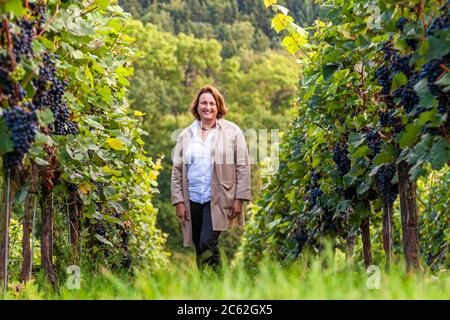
(210, 176)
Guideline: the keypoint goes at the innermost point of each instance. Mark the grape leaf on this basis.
(6, 144)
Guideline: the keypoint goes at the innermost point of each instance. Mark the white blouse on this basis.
(199, 161)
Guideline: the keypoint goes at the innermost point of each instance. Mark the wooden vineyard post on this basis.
(365, 237)
(410, 217)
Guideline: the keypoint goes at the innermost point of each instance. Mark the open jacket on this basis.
(230, 178)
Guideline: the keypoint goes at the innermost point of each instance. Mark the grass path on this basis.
(183, 281)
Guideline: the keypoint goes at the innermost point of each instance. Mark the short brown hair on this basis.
(220, 102)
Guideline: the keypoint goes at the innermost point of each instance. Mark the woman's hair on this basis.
(220, 102)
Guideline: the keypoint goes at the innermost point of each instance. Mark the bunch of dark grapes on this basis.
(443, 103)
(302, 239)
(388, 191)
(100, 186)
(383, 76)
(440, 23)
(387, 118)
(329, 222)
(22, 125)
(407, 96)
(47, 72)
(39, 11)
(72, 187)
(400, 24)
(340, 158)
(100, 229)
(12, 90)
(315, 194)
(374, 142)
(388, 50)
(315, 191)
(400, 63)
(50, 92)
(23, 42)
(432, 70)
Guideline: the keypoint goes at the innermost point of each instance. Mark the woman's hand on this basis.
(236, 209)
(182, 213)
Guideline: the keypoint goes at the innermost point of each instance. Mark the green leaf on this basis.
(361, 152)
(399, 80)
(109, 191)
(356, 139)
(409, 135)
(119, 205)
(6, 145)
(21, 195)
(42, 139)
(328, 70)
(424, 46)
(363, 187)
(387, 155)
(426, 97)
(445, 80)
(13, 6)
(103, 240)
(440, 153)
(281, 21)
(77, 54)
(45, 117)
(426, 117)
(437, 48)
(290, 43)
(93, 123)
(362, 210)
(268, 3)
(105, 93)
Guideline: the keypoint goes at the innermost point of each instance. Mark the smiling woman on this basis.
(210, 176)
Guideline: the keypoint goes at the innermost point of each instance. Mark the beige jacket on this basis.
(230, 177)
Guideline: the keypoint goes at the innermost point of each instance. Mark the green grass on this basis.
(298, 281)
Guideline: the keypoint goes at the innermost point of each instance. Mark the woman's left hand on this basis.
(236, 209)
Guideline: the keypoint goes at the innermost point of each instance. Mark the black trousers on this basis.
(205, 239)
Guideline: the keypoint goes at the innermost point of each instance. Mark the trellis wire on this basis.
(7, 213)
(32, 234)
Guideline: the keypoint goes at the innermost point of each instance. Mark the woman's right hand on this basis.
(182, 213)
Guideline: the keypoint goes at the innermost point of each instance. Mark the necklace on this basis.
(209, 128)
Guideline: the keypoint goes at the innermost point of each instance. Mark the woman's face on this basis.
(207, 107)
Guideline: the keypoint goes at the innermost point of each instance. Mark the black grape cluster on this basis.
(374, 142)
(39, 11)
(387, 190)
(411, 42)
(400, 24)
(12, 90)
(432, 71)
(340, 158)
(405, 95)
(442, 22)
(302, 238)
(315, 191)
(387, 118)
(383, 75)
(72, 187)
(100, 229)
(50, 92)
(22, 125)
(23, 41)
